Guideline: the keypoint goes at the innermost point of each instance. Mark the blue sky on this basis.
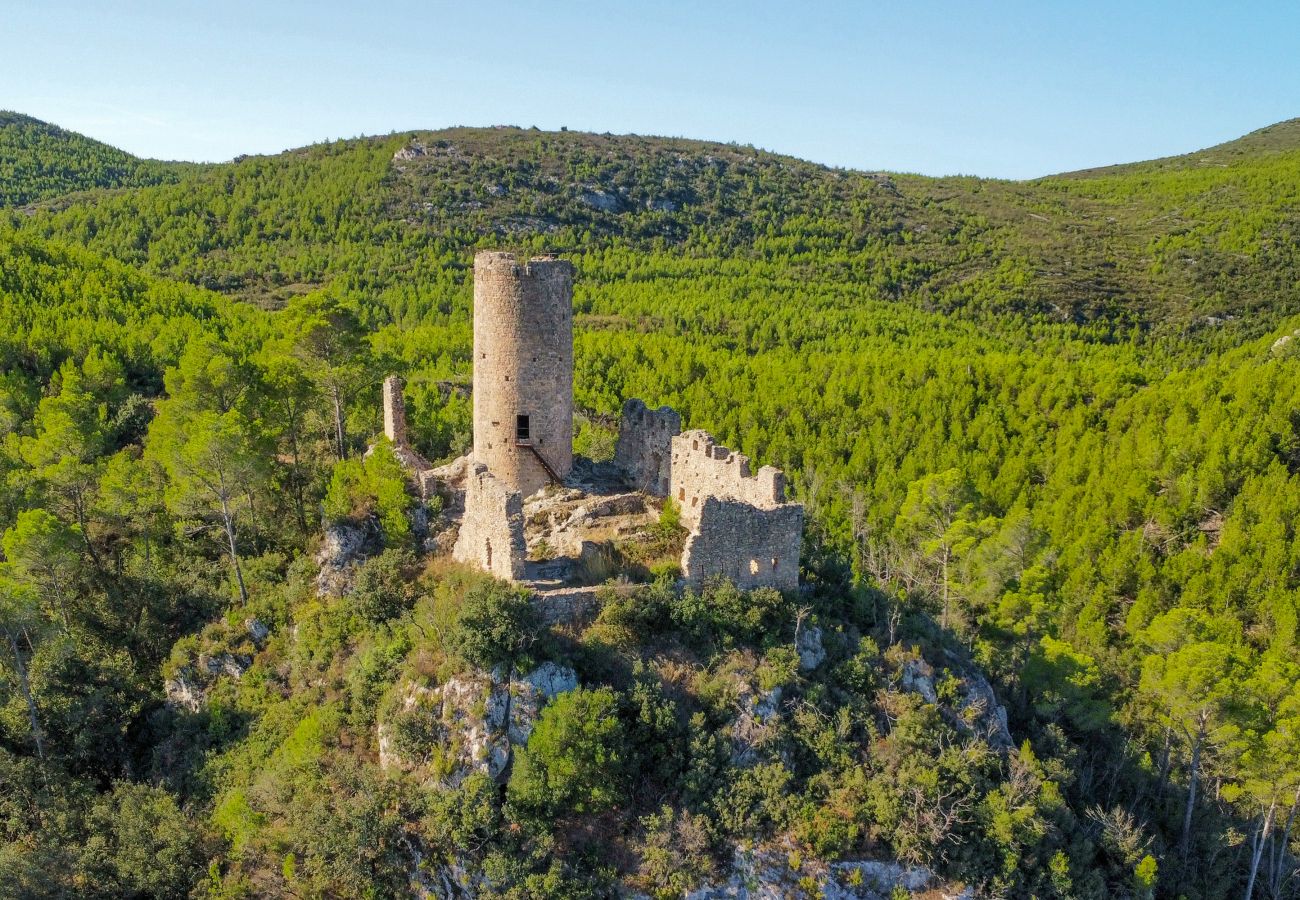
(1008, 89)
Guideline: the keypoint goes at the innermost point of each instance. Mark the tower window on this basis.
(522, 430)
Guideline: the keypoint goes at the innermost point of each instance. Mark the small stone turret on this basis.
(523, 369)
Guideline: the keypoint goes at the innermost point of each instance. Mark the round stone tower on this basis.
(523, 369)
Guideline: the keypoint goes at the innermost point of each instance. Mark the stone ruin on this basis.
(492, 528)
(645, 445)
(739, 526)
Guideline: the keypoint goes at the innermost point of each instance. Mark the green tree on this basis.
(1193, 684)
(939, 520)
(495, 626)
(21, 624)
(574, 759)
(141, 844)
(328, 339)
(216, 463)
(46, 552)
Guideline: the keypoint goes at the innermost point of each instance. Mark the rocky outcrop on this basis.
(188, 688)
(601, 200)
(471, 723)
(781, 873)
(341, 549)
(559, 523)
(809, 647)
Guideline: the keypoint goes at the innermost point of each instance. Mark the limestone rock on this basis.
(341, 549)
(918, 677)
(257, 630)
(767, 874)
(754, 725)
(188, 688)
(598, 199)
(474, 721)
(809, 645)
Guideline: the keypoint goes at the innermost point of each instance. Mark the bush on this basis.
(141, 844)
(495, 626)
(384, 587)
(375, 485)
(574, 760)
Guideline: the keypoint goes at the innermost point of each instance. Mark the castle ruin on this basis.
(523, 369)
(739, 526)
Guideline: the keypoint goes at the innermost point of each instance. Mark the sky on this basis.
(1009, 89)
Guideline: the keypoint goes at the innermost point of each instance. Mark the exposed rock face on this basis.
(598, 199)
(188, 689)
(809, 646)
(980, 707)
(977, 710)
(644, 449)
(340, 551)
(561, 522)
(257, 630)
(768, 874)
(918, 677)
(469, 724)
(758, 710)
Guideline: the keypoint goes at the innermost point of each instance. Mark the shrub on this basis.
(495, 626)
(574, 759)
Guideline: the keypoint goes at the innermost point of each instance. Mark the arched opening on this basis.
(488, 554)
(753, 567)
(774, 564)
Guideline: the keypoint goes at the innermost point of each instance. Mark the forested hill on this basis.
(39, 161)
(1047, 434)
(1174, 248)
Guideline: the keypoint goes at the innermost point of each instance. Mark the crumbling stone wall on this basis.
(417, 467)
(739, 526)
(523, 369)
(645, 446)
(751, 546)
(703, 468)
(492, 529)
(394, 410)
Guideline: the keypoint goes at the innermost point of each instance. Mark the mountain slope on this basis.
(39, 161)
(1036, 476)
(1164, 250)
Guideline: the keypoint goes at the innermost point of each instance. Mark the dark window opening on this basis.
(774, 562)
(522, 431)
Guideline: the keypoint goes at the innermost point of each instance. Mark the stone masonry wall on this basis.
(394, 410)
(739, 526)
(492, 529)
(751, 546)
(702, 468)
(523, 367)
(644, 449)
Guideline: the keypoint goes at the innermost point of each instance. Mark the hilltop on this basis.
(39, 161)
(1166, 248)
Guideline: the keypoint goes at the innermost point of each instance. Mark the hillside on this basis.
(1045, 470)
(39, 161)
(1167, 251)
